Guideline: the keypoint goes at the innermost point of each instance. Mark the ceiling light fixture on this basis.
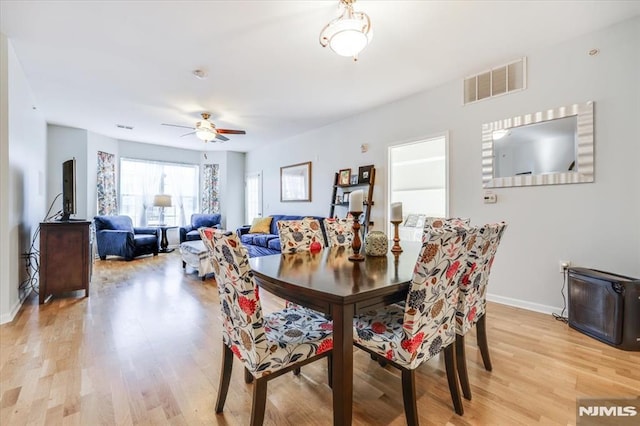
(349, 33)
(205, 130)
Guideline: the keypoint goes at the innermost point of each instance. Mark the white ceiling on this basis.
(95, 64)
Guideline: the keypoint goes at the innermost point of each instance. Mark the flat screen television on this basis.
(68, 189)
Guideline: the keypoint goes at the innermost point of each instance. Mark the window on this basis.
(141, 180)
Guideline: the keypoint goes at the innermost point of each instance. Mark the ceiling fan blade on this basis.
(231, 132)
(222, 138)
(187, 134)
(177, 125)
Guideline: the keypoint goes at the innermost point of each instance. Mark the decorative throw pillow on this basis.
(261, 225)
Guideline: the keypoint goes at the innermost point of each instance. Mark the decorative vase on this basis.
(376, 243)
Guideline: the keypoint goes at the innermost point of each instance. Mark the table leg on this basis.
(164, 242)
(342, 363)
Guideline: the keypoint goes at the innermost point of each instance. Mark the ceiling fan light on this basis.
(205, 134)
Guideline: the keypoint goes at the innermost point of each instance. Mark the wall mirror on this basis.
(543, 148)
(295, 182)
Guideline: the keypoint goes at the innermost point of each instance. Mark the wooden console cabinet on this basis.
(65, 258)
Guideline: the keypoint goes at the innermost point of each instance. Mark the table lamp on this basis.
(162, 201)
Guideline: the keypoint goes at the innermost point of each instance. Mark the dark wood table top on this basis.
(329, 276)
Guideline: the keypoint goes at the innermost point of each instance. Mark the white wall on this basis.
(23, 170)
(233, 194)
(594, 225)
(5, 276)
(65, 143)
(231, 186)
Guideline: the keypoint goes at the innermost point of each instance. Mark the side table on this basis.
(164, 242)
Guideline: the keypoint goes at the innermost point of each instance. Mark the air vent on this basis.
(511, 77)
(122, 126)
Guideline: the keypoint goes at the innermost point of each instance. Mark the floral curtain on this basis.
(211, 189)
(106, 185)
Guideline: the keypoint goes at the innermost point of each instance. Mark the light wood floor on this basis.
(144, 348)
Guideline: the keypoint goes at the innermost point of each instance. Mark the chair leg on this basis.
(409, 397)
(481, 336)
(461, 362)
(452, 378)
(330, 369)
(259, 401)
(248, 377)
(225, 377)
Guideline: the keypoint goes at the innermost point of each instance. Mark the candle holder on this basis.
(396, 237)
(356, 243)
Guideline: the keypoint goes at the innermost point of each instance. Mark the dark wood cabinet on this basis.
(65, 258)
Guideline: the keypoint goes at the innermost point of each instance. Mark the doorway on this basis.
(419, 179)
(253, 196)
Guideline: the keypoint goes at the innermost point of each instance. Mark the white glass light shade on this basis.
(205, 131)
(205, 134)
(162, 200)
(349, 33)
(350, 40)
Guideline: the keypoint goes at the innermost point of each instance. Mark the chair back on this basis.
(339, 231)
(117, 222)
(199, 220)
(430, 307)
(300, 235)
(474, 279)
(242, 320)
(446, 223)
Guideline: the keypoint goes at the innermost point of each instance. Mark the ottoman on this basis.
(196, 255)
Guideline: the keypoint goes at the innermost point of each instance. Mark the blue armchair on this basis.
(198, 220)
(115, 235)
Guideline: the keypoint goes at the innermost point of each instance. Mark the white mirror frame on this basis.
(584, 151)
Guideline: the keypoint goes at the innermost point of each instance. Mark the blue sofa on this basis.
(199, 220)
(265, 244)
(116, 236)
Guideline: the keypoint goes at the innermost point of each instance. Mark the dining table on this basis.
(328, 282)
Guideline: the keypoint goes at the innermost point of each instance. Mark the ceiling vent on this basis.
(508, 78)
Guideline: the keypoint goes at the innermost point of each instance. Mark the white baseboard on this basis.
(545, 309)
(9, 316)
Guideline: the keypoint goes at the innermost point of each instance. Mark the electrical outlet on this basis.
(564, 265)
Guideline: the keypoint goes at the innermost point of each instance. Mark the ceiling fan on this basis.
(207, 131)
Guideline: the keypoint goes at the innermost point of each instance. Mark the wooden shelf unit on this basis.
(368, 199)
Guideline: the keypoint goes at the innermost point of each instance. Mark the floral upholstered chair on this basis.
(339, 231)
(407, 337)
(300, 235)
(267, 345)
(446, 223)
(472, 300)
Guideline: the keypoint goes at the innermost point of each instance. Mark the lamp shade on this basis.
(162, 200)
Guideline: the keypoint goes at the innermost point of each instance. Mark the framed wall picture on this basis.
(364, 174)
(354, 180)
(295, 182)
(344, 177)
